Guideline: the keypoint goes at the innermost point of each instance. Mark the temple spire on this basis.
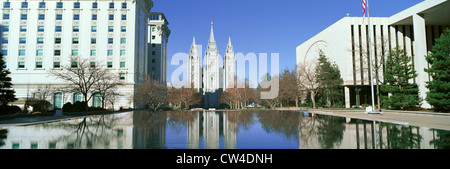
(193, 41)
(211, 38)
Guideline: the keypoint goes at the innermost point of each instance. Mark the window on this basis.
(74, 52)
(153, 37)
(94, 17)
(153, 69)
(122, 64)
(21, 65)
(76, 17)
(77, 97)
(4, 40)
(153, 53)
(94, 29)
(39, 53)
(57, 40)
(123, 40)
(76, 5)
(93, 52)
(6, 5)
(58, 17)
(6, 16)
(5, 65)
(38, 65)
(153, 60)
(59, 5)
(74, 40)
(154, 17)
(111, 5)
(124, 5)
(153, 29)
(52, 145)
(22, 40)
(41, 17)
(111, 17)
(153, 45)
(96, 100)
(23, 16)
(124, 17)
(110, 64)
(76, 28)
(110, 40)
(95, 5)
(74, 65)
(122, 76)
(56, 64)
(58, 28)
(92, 64)
(110, 52)
(57, 52)
(5, 52)
(15, 146)
(24, 4)
(41, 5)
(57, 100)
(21, 52)
(93, 40)
(23, 28)
(124, 29)
(110, 28)
(40, 40)
(122, 52)
(40, 28)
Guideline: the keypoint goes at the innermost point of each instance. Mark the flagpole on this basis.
(370, 57)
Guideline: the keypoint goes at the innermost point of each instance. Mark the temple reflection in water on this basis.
(220, 130)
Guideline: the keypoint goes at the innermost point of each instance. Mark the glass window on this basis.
(110, 28)
(4, 40)
(41, 4)
(93, 40)
(122, 64)
(59, 5)
(77, 97)
(153, 53)
(124, 17)
(56, 64)
(57, 40)
(95, 5)
(76, 28)
(6, 16)
(122, 52)
(23, 28)
(124, 28)
(57, 100)
(94, 17)
(23, 16)
(75, 40)
(57, 52)
(38, 64)
(124, 5)
(21, 52)
(110, 40)
(76, 17)
(153, 60)
(123, 40)
(58, 17)
(58, 28)
(111, 17)
(110, 52)
(40, 28)
(153, 37)
(6, 5)
(74, 65)
(76, 5)
(74, 52)
(110, 64)
(24, 4)
(93, 52)
(92, 64)
(22, 40)
(153, 29)
(39, 53)
(111, 5)
(41, 17)
(96, 100)
(94, 29)
(15, 146)
(122, 76)
(21, 65)
(4, 52)
(40, 40)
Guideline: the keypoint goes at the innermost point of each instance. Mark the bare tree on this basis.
(307, 79)
(151, 93)
(106, 86)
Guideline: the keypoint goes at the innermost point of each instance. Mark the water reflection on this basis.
(221, 130)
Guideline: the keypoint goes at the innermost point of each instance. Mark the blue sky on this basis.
(260, 26)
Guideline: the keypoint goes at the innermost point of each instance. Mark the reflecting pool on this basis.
(221, 130)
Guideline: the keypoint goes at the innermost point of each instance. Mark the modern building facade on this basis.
(211, 79)
(42, 35)
(158, 37)
(346, 43)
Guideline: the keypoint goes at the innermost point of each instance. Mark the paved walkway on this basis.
(423, 119)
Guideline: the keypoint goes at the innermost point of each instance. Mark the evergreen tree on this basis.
(439, 86)
(329, 78)
(399, 71)
(6, 91)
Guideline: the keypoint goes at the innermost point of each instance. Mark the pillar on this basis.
(347, 97)
(420, 45)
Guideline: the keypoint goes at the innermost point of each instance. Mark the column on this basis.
(419, 60)
(347, 97)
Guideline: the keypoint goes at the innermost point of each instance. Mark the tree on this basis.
(307, 79)
(289, 90)
(330, 81)
(7, 93)
(106, 87)
(151, 93)
(399, 72)
(186, 96)
(439, 86)
(81, 77)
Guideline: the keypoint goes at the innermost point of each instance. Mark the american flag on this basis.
(364, 8)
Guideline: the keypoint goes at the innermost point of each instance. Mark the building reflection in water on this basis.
(213, 130)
